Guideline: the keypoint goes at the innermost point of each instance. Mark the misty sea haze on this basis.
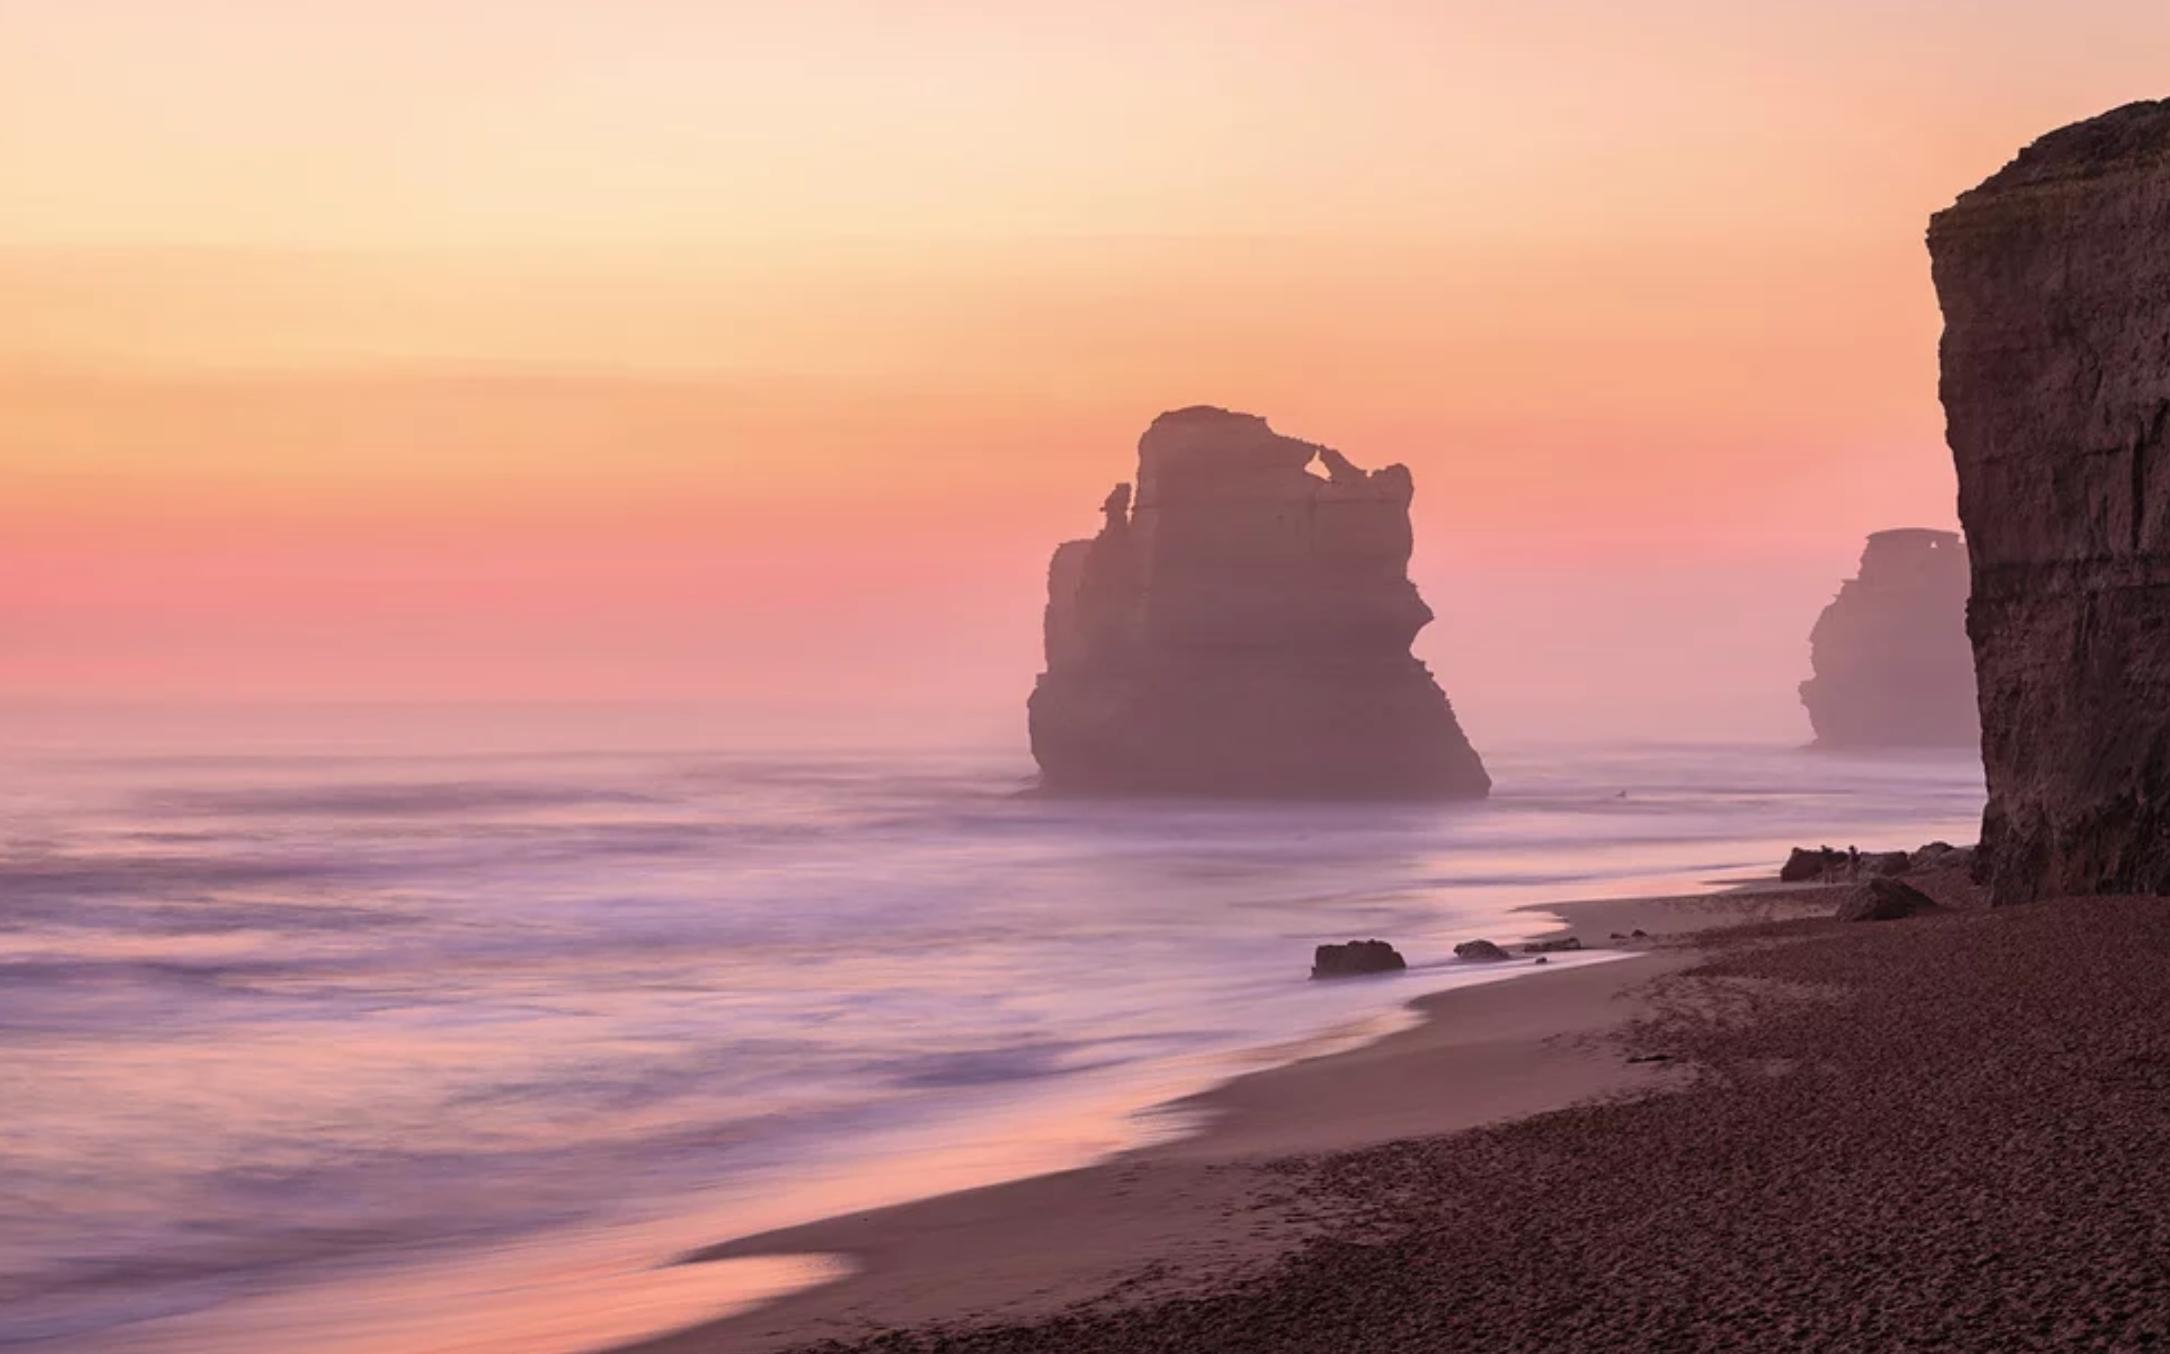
(281, 1024)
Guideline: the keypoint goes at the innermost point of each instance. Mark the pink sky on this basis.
(758, 355)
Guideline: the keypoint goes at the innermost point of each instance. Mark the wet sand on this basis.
(1242, 1200)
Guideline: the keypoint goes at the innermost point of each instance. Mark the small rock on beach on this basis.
(1552, 946)
(1886, 900)
(1356, 958)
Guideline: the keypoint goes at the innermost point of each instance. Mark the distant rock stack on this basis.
(2054, 277)
(1890, 655)
(1243, 628)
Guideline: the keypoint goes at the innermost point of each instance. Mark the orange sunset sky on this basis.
(757, 355)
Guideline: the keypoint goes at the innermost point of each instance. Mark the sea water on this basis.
(370, 1047)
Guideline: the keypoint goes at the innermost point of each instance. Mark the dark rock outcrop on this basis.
(1804, 866)
(1553, 946)
(1355, 958)
(1885, 900)
(1930, 854)
(1886, 862)
(1480, 952)
(2055, 286)
(1890, 654)
(1824, 864)
(1243, 628)
(1941, 856)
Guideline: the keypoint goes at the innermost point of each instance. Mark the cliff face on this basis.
(1244, 629)
(2055, 284)
(1892, 664)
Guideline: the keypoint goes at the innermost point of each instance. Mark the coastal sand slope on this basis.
(1949, 1132)
(1224, 1206)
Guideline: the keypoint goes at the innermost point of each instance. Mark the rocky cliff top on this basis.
(1204, 449)
(1931, 538)
(2134, 137)
(1915, 550)
(1203, 435)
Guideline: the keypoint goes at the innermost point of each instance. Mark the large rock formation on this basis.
(2054, 276)
(1244, 629)
(1890, 654)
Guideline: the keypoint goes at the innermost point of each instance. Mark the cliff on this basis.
(1892, 664)
(1243, 628)
(2055, 287)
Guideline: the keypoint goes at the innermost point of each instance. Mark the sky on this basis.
(757, 355)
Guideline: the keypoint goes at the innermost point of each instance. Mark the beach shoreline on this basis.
(1947, 1131)
(1212, 1207)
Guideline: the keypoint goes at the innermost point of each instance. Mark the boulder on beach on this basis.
(1886, 900)
(1886, 862)
(1480, 952)
(1553, 946)
(1355, 958)
(1943, 856)
(1243, 627)
(1805, 866)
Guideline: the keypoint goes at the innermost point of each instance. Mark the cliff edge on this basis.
(2055, 287)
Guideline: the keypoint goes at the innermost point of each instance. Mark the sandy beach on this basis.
(1194, 1243)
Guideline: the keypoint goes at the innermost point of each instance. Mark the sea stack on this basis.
(1242, 627)
(2054, 278)
(1892, 664)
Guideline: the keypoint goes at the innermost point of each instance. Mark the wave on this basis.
(344, 1009)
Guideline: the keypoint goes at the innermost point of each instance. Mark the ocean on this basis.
(430, 1048)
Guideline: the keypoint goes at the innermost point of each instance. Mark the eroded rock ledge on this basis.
(2055, 286)
(1244, 628)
